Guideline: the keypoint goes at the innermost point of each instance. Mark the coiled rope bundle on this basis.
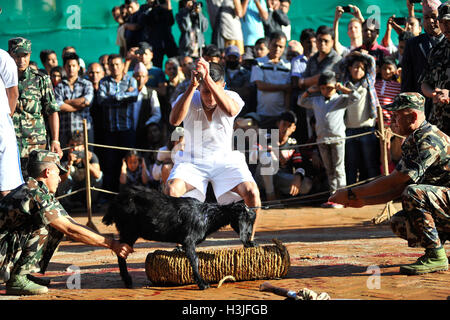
(263, 262)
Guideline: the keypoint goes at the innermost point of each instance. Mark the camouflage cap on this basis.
(41, 156)
(405, 100)
(19, 45)
(444, 11)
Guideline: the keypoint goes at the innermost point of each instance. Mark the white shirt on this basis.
(8, 77)
(208, 139)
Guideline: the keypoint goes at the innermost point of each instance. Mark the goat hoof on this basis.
(203, 285)
(128, 283)
(250, 244)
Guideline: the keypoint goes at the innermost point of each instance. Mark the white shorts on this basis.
(10, 171)
(224, 173)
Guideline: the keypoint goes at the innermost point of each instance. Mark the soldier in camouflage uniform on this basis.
(421, 178)
(32, 223)
(436, 74)
(36, 101)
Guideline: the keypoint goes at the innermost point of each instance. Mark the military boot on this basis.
(433, 260)
(39, 281)
(20, 285)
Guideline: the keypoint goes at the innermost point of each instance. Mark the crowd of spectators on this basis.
(311, 90)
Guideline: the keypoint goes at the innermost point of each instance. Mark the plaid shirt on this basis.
(72, 121)
(118, 102)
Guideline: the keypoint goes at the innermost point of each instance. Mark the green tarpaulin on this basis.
(89, 27)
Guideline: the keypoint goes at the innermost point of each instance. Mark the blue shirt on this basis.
(251, 23)
(118, 100)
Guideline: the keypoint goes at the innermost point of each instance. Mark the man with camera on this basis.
(75, 177)
(192, 24)
(157, 21)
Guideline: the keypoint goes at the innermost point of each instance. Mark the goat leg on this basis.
(126, 278)
(193, 259)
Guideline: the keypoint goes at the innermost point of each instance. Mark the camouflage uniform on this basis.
(27, 241)
(437, 74)
(425, 218)
(36, 100)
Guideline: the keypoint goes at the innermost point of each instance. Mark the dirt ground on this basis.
(337, 251)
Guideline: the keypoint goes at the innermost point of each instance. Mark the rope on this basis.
(72, 193)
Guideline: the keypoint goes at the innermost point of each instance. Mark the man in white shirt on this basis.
(208, 115)
(10, 172)
(147, 107)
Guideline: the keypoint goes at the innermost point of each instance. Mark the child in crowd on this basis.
(134, 171)
(261, 48)
(165, 157)
(362, 153)
(329, 110)
(388, 87)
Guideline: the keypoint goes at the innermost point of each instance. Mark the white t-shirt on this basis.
(8, 77)
(208, 139)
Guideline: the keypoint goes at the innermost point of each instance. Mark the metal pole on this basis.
(90, 224)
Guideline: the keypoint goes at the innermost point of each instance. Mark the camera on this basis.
(79, 154)
(415, 1)
(347, 9)
(400, 21)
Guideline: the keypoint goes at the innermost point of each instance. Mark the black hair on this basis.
(405, 35)
(261, 41)
(58, 69)
(113, 56)
(388, 60)
(307, 34)
(327, 77)
(277, 35)
(212, 51)
(131, 153)
(43, 55)
(325, 30)
(34, 168)
(70, 56)
(286, 1)
(216, 72)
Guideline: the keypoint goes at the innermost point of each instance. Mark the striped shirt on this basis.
(72, 121)
(270, 103)
(118, 99)
(386, 92)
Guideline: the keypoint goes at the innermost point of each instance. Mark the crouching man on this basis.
(33, 222)
(422, 178)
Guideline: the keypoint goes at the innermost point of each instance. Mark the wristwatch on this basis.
(350, 194)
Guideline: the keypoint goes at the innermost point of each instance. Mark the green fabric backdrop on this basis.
(89, 27)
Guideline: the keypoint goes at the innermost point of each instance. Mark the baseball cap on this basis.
(406, 100)
(289, 116)
(232, 50)
(45, 156)
(142, 47)
(19, 45)
(444, 11)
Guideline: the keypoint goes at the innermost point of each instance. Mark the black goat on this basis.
(147, 213)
